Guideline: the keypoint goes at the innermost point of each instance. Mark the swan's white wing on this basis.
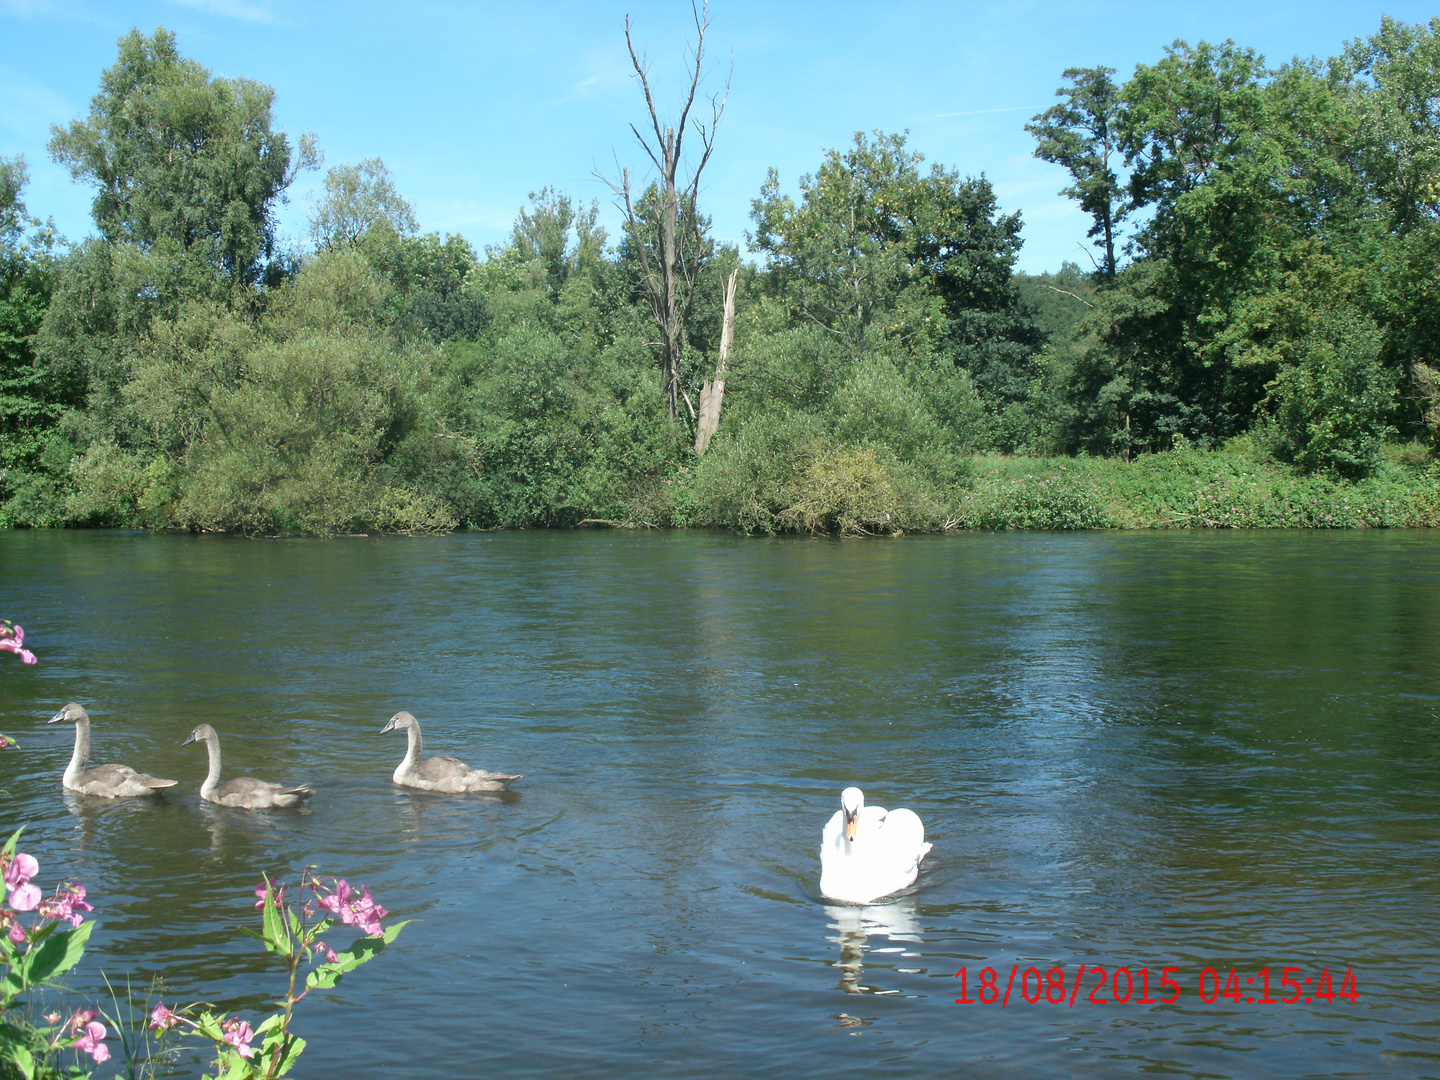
(832, 828)
(872, 818)
(905, 839)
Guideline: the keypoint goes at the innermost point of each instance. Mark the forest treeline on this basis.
(1256, 340)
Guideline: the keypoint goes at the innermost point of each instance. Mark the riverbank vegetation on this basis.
(1255, 344)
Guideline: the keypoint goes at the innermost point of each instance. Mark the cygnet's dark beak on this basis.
(389, 726)
(189, 739)
(57, 717)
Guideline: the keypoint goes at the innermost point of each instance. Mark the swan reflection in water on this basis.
(427, 817)
(92, 814)
(897, 923)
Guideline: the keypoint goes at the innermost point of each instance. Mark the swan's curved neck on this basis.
(212, 750)
(412, 747)
(82, 751)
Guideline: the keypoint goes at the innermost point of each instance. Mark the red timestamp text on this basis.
(1096, 985)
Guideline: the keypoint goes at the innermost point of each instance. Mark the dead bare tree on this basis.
(712, 394)
(669, 273)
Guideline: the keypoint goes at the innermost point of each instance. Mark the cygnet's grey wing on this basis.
(480, 780)
(252, 794)
(440, 768)
(292, 796)
(116, 780)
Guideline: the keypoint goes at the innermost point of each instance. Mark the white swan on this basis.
(867, 852)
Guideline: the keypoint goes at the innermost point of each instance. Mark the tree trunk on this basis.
(712, 396)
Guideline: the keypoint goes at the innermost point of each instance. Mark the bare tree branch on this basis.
(669, 269)
(1065, 292)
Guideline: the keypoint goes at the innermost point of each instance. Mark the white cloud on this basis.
(231, 9)
(987, 112)
(606, 78)
(26, 9)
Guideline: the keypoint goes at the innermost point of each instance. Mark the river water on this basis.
(1138, 751)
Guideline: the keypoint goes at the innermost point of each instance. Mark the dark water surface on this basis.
(1129, 750)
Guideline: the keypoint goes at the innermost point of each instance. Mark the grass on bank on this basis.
(861, 490)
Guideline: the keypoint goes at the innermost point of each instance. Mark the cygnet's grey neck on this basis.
(212, 778)
(412, 746)
(82, 752)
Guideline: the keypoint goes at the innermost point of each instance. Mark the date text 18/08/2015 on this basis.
(1097, 985)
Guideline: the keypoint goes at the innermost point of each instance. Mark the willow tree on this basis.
(670, 267)
(181, 160)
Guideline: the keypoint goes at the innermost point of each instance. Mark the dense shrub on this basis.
(1331, 407)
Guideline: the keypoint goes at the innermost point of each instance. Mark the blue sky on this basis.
(474, 105)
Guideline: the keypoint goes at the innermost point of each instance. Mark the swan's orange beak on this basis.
(851, 821)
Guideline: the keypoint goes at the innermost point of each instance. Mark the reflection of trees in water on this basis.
(854, 926)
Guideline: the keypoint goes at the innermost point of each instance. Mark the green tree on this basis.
(359, 198)
(27, 409)
(1395, 78)
(1233, 167)
(561, 239)
(877, 251)
(1081, 134)
(1393, 81)
(840, 252)
(181, 160)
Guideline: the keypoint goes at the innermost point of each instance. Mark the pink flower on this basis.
(163, 1019)
(4, 742)
(368, 914)
(21, 869)
(69, 901)
(355, 910)
(329, 953)
(23, 895)
(17, 933)
(335, 902)
(238, 1034)
(91, 1042)
(13, 641)
(25, 898)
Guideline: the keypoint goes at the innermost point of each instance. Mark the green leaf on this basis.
(293, 1046)
(361, 951)
(323, 977)
(276, 939)
(59, 953)
(237, 1067)
(271, 1022)
(209, 1026)
(24, 1061)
